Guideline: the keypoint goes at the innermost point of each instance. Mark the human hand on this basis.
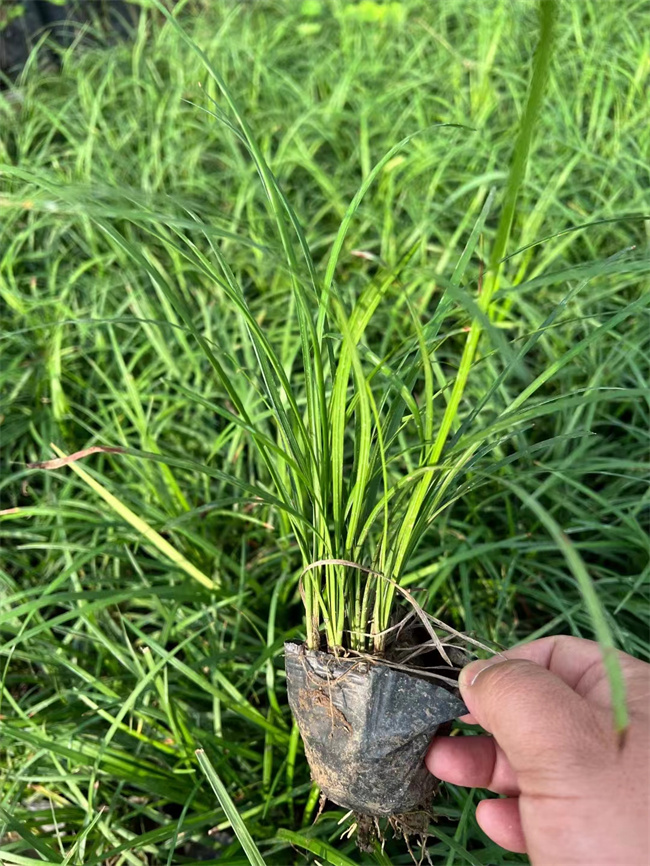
(574, 794)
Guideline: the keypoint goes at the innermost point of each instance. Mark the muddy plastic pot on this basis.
(366, 728)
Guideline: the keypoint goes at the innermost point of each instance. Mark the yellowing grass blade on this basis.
(139, 524)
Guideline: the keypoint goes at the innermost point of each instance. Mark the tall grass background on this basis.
(145, 596)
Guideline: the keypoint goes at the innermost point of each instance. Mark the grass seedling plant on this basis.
(333, 460)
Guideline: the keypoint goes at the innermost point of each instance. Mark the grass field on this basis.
(138, 629)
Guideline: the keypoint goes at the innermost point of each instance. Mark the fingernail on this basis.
(471, 672)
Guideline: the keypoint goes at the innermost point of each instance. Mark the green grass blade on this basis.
(245, 838)
(315, 846)
(38, 844)
(19, 860)
(592, 603)
(548, 14)
(457, 852)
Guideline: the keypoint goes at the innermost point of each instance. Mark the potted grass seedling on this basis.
(358, 455)
(374, 678)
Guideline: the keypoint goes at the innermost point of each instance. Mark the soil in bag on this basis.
(366, 728)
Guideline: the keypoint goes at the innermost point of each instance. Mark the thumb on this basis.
(544, 728)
